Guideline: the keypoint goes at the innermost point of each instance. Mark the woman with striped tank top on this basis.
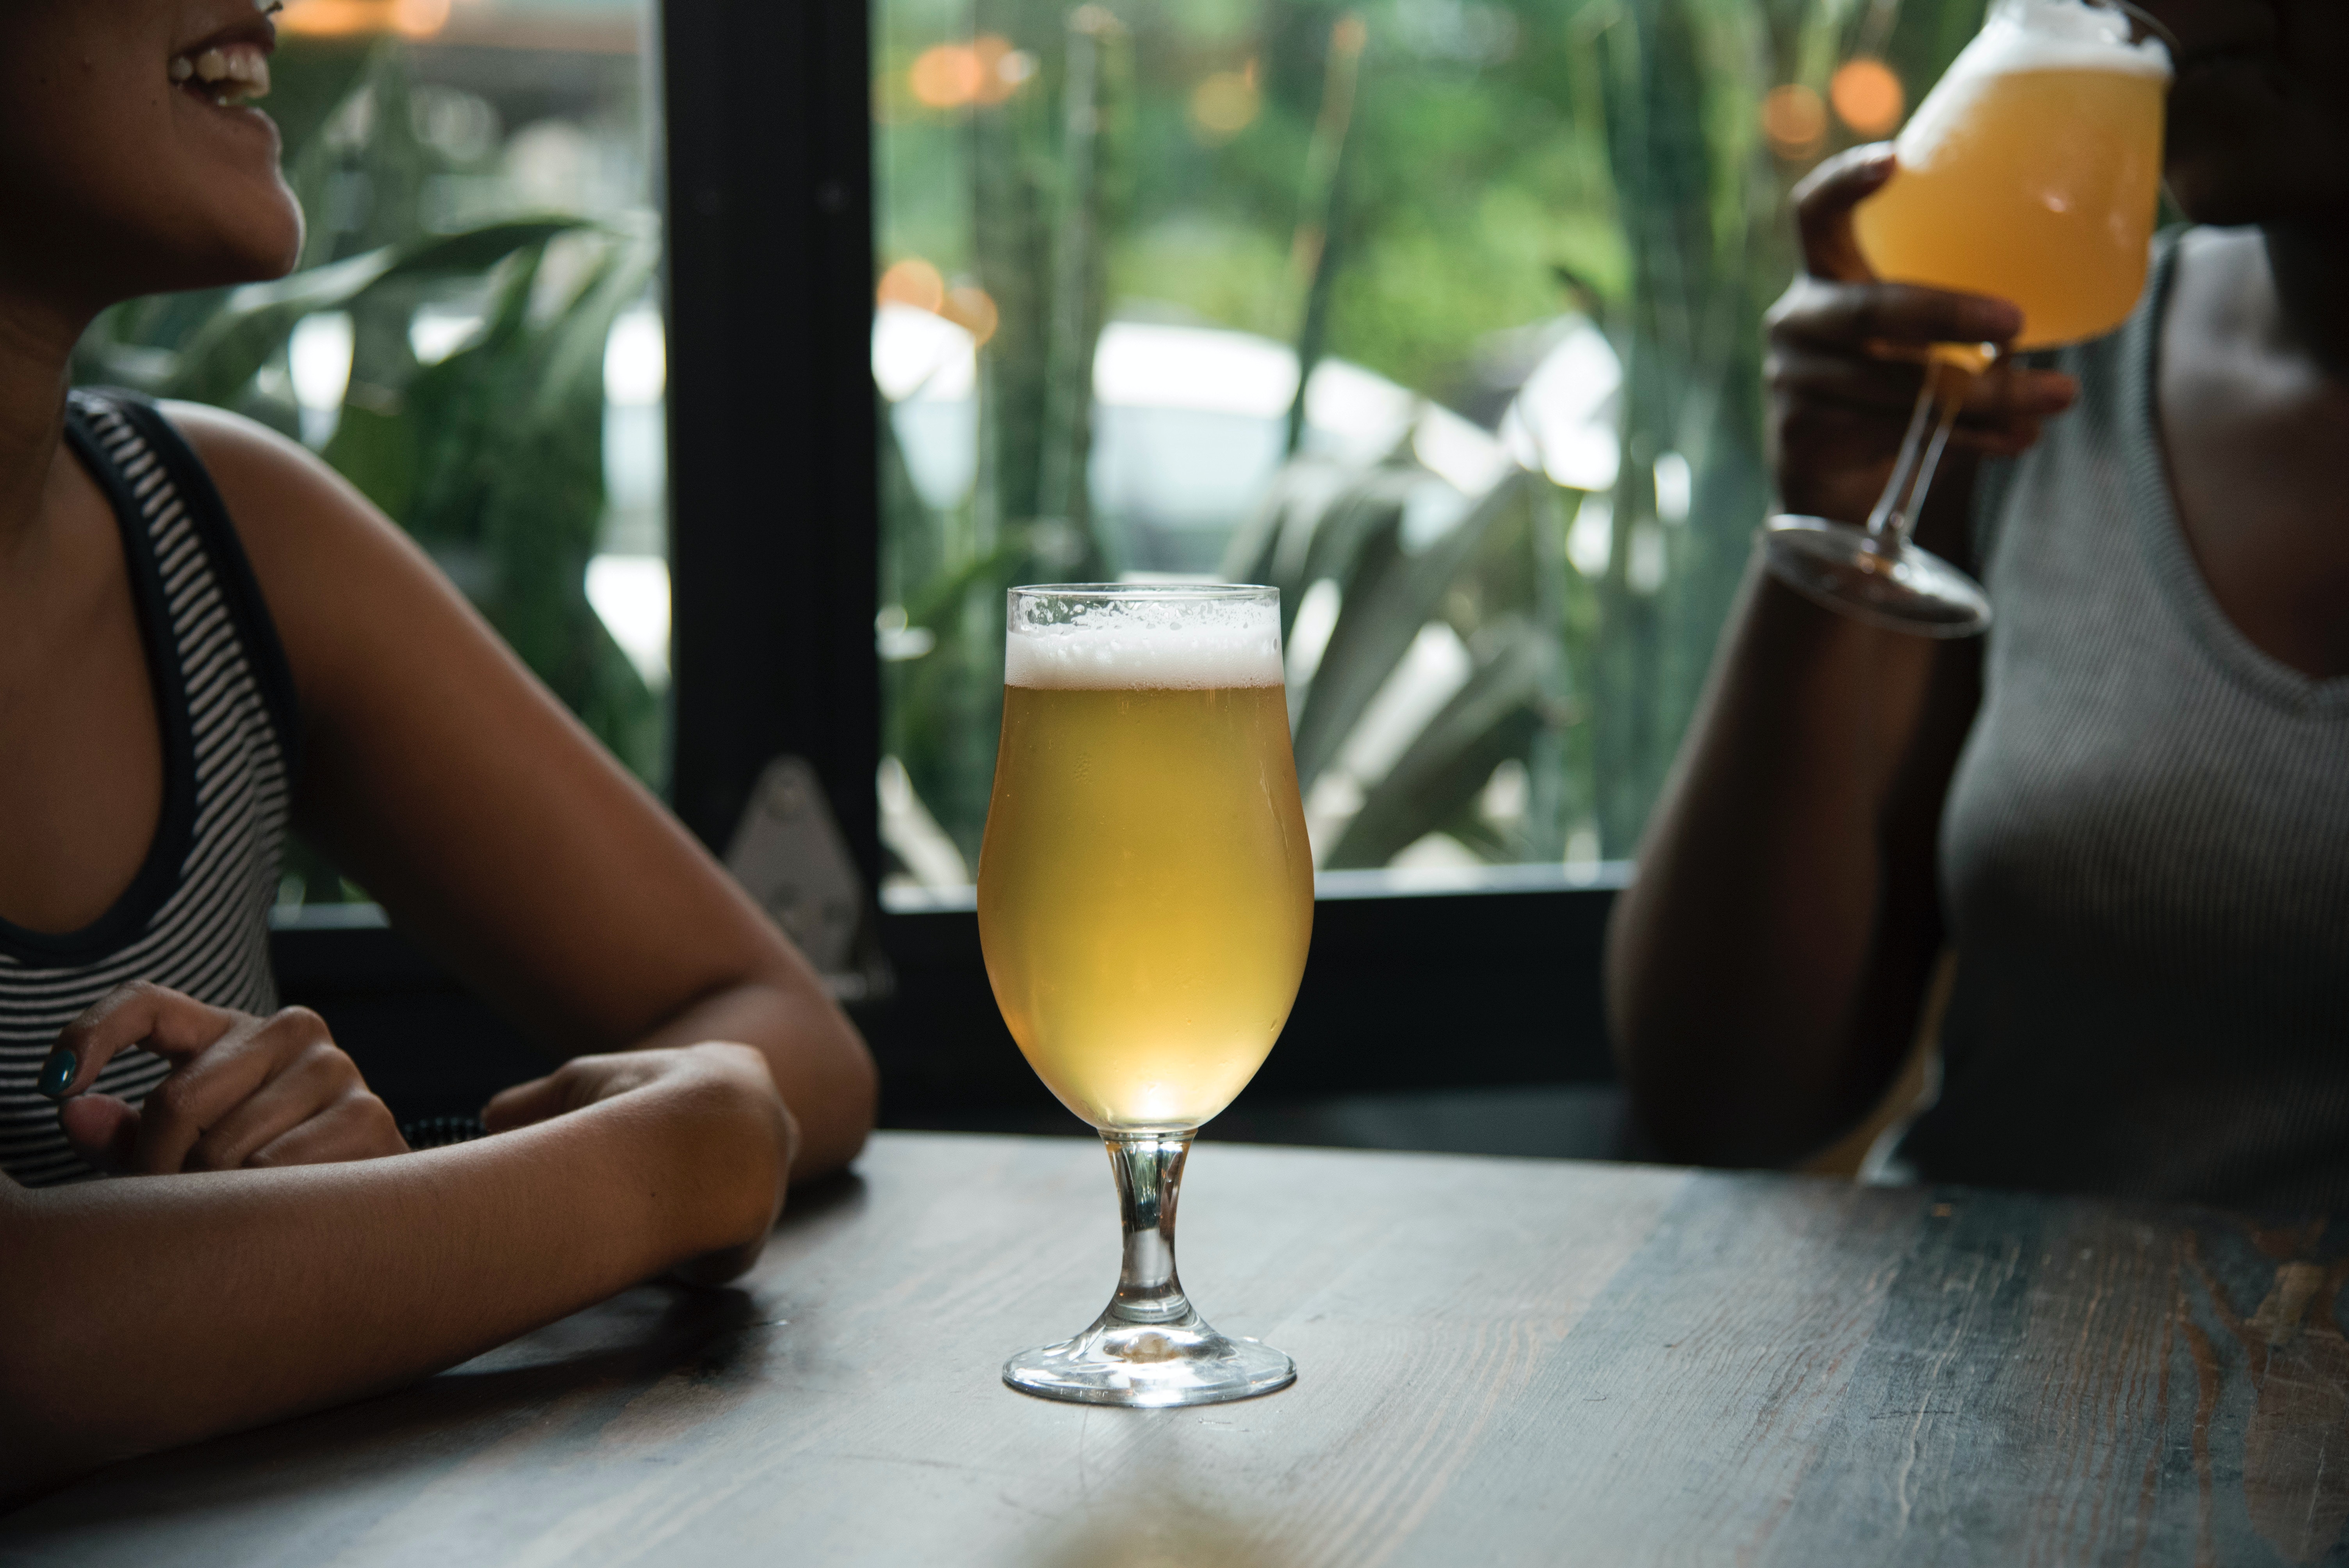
(206, 1219)
(2125, 811)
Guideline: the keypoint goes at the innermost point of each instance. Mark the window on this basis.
(475, 338)
(1442, 315)
(1526, 208)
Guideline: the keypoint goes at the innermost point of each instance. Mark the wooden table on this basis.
(1501, 1361)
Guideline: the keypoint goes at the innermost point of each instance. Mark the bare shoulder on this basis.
(287, 504)
(333, 569)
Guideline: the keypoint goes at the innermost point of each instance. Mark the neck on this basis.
(37, 344)
(2308, 258)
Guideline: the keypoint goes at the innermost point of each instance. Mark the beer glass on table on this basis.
(1146, 900)
(2032, 173)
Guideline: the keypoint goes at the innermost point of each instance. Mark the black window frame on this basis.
(774, 558)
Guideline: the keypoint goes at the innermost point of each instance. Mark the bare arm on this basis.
(136, 1314)
(1766, 966)
(440, 773)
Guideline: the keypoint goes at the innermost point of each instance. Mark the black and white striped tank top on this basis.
(195, 918)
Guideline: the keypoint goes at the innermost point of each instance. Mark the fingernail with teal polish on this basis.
(57, 1073)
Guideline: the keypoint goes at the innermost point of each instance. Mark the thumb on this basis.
(102, 1129)
(1823, 205)
(525, 1103)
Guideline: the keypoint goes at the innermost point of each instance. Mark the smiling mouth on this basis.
(228, 74)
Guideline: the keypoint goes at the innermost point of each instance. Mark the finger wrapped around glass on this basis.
(1146, 900)
(2031, 174)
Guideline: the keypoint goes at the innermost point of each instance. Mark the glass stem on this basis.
(1938, 402)
(1149, 1169)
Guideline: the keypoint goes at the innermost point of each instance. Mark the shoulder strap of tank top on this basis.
(216, 533)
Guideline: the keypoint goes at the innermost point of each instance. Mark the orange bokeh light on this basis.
(1866, 95)
(945, 76)
(351, 18)
(915, 283)
(1795, 120)
(336, 18)
(986, 70)
(1002, 67)
(973, 309)
(420, 19)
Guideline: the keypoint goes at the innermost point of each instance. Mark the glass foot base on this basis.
(1896, 586)
(1151, 1366)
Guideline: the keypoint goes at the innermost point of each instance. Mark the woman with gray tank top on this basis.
(2125, 811)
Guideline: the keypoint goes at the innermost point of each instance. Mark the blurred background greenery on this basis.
(1518, 248)
(1444, 316)
(475, 337)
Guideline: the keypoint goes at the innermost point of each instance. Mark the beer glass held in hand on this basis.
(2031, 174)
(1146, 900)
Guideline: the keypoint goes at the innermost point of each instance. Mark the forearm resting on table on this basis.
(138, 1314)
(821, 1067)
(1758, 963)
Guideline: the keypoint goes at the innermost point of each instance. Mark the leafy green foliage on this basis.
(492, 457)
(1505, 162)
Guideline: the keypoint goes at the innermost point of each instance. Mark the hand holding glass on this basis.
(1146, 900)
(2030, 173)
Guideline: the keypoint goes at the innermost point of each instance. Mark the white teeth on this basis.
(241, 70)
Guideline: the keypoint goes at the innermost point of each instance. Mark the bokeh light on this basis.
(915, 283)
(987, 70)
(1866, 95)
(1794, 120)
(420, 19)
(973, 309)
(1002, 69)
(349, 18)
(1226, 103)
(945, 76)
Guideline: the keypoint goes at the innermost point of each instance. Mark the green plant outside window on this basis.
(472, 337)
(1519, 250)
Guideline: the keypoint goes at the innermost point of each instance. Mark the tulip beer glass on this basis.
(1146, 899)
(2031, 172)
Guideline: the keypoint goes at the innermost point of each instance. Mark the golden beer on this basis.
(1146, 891)
(2031, 172)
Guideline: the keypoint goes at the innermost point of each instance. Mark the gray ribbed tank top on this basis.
(2145, 855)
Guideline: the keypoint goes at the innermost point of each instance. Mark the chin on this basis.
(229, 242)
(243, 227)
(267, 251)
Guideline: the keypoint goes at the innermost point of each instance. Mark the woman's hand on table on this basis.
(244, 1091)
(1847, 357)
(721, 1100)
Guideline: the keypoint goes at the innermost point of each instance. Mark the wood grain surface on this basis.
(1500, 1361)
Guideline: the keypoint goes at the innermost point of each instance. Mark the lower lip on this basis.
(244, 111)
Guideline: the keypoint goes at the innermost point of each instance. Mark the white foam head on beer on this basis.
(2059, 35)
(1149, 645)
(2027, 36)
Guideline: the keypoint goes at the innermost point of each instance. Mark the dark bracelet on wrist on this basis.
(440, 1131)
